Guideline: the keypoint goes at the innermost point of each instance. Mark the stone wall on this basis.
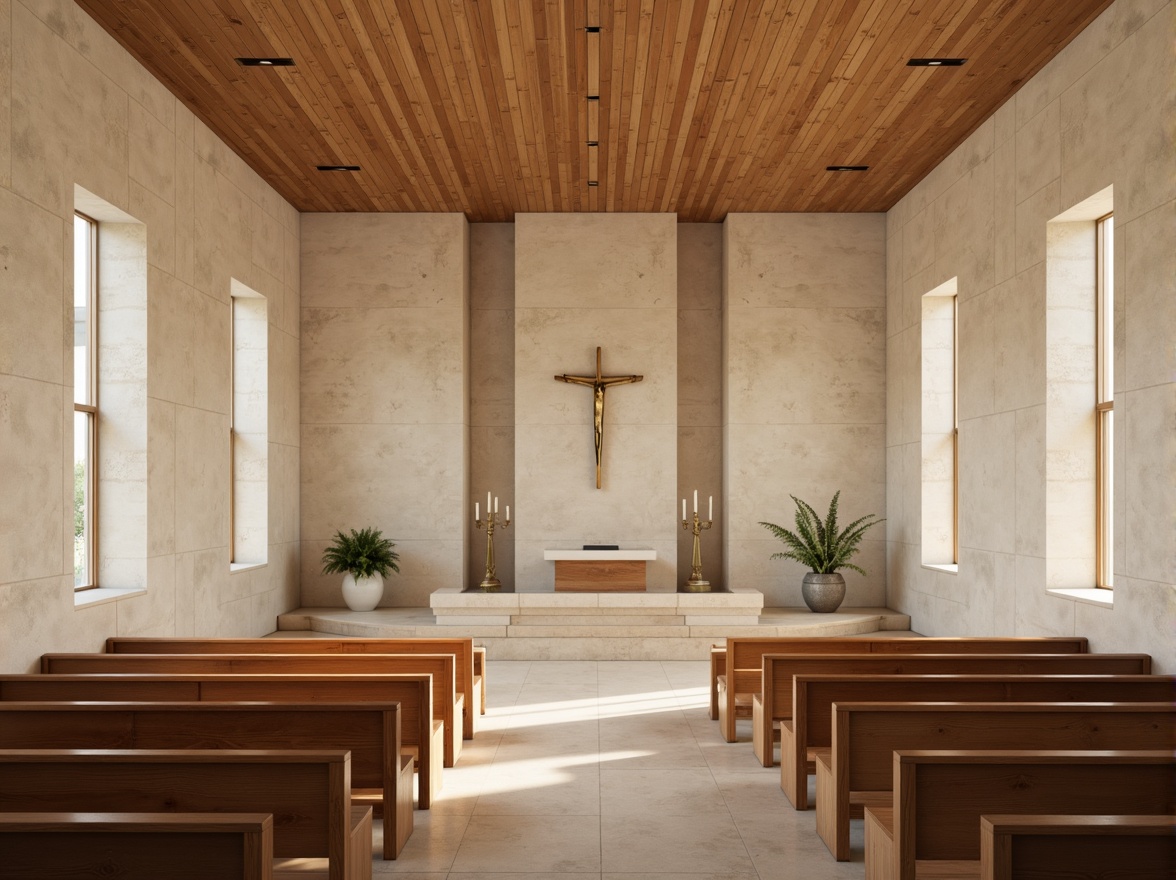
(804, 394)
(385, 412)
(1096, 117)
(81, 122)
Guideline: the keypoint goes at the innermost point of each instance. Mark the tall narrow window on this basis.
(248, 428)
(85, 401)
(940, 431)
(1105, 399)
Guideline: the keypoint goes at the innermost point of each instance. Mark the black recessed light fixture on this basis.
(594, 183)
(594, 143)
(266, 62)
(337, 167)
(936, 62)
(592, 29)
(847, 167)
(594, 97)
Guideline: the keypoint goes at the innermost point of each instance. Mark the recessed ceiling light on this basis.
(592, 29)
(936, 62)
(337, 167)
(594, 97)
(594, 183)
(594, 143)
(266, 62)
(847, 167)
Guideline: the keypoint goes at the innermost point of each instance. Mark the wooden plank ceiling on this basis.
(705, 106)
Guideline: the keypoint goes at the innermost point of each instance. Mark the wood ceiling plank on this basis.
(706, 106)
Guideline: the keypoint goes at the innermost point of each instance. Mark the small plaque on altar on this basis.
(599, 571)
(602, 546)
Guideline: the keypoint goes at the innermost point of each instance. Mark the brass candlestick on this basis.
(697, 584)
(490, 583)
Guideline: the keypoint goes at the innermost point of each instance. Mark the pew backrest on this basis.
(813, 697)
(369, 731)
(1123, 847)
(411, 691)
(743, 658)
(939, 796)
(440, 666)
(137, 846)
(462, 649)
(308, 792)
(779, 669)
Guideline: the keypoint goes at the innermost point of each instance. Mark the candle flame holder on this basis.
(491, 583)
(697, 584)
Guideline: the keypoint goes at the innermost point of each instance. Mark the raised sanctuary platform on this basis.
(593, 626)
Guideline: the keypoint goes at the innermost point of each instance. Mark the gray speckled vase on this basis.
(823, 593)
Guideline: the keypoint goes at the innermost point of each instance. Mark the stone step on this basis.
(577, 621)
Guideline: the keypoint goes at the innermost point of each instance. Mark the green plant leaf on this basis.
(363, 554)
(818, 543)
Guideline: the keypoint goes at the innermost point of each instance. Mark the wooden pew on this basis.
(370, 731)
(136, 846)
(718, 669)
(479, 683)
(774, 703)
(447, 703)
(744, 659)
(1095, 847)
(866, 735)
(813, 696)
(932, 826)
(307, 792)
(421, 736)
(470, 680)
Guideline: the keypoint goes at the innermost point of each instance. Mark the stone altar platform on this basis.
(593, 626)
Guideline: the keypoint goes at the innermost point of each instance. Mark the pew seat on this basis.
(932, 826)
(866, 735)
(1113, 847)
(136, 846)
(308, 792)
(369, 731)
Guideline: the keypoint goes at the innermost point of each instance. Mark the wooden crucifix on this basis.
(599, 384)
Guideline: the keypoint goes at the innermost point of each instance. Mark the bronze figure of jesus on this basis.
(599, 384)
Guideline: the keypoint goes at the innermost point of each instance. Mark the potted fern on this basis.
(364, 558)
(824, 547)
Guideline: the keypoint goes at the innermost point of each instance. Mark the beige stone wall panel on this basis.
(1092, 118)
(32, 288)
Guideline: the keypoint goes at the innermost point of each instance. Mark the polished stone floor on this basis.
(610, 770)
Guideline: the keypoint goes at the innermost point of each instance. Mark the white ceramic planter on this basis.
(362, 594)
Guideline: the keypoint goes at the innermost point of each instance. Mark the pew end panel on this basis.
(136, 846)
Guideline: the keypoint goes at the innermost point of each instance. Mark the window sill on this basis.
(1090, 596)
(946, 568)
(238, 567)
(104, 595)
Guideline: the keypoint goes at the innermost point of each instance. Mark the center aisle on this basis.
(610, 770)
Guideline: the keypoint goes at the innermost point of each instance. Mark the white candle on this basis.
(496, 504)
(488, 508)
(696, 501)
(710, 507)
(683, 508)
(477, 514)
(508, 513)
